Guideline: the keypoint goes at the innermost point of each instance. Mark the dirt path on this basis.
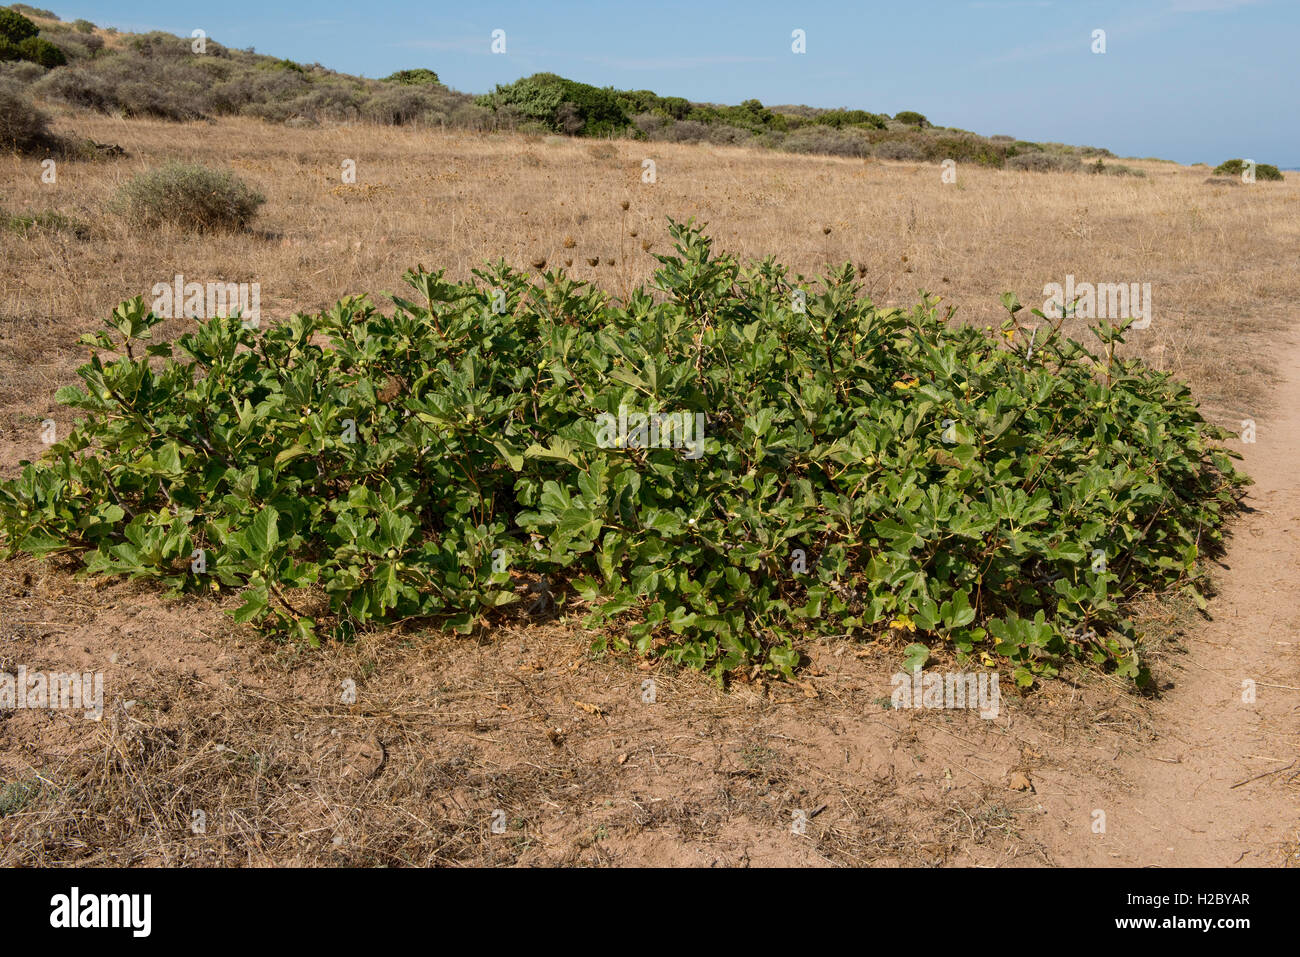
(1218, 786)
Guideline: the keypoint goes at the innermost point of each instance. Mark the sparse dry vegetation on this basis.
(188, 196)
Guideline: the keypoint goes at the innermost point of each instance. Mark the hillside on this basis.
(164, 76)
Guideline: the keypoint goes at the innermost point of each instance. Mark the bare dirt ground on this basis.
(1216, 784)
(218, 747)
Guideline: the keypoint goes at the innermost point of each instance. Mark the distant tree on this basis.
(417, 77)
(42, 51)
(15, 27)
(541, 96)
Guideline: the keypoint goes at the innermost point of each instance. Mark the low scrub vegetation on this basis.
(720, 466)
(20, 39)
(549, 103)
(46, 221)
(190, 197)
(23, 127)
(1235, 167)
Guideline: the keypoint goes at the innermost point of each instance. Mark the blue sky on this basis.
(1189, 80)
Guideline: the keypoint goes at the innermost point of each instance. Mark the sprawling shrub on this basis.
(539, 97)
(963, 148)
(23, 127)
(192, 197)
(41, 51)
(75, 46)
(1263, 171)
(168, 89)
(19, 73)
(911, 118)
(751, 115)
(15, 27)
(634, 102)
(466, 115)
(335, 100)
(1113, 169)
(714, 470)
(402, 104)
(897, 149)
(79, 87)
(417, 77)
(842, 118)
(19, 41)
(650, 124)
(273, 90)
(165, 45)
(1044, 162)
(691, 131)
(827, 140)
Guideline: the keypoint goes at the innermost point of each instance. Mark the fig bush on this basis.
(857, 471)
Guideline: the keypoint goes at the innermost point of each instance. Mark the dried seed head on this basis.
(593, 261)
(625, 204)
(539, 262)
(826, 230)
(392, 389)
(569, 242)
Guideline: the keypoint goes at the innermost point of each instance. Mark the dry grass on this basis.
(1219, 259)
(446, 731)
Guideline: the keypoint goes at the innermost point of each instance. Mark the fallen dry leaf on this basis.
(1019, 781)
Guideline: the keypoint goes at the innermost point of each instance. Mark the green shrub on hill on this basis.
(543, 97)
(40, 51)
(417, 77)
(1263, 171)
(19, 40)
(15, 27)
